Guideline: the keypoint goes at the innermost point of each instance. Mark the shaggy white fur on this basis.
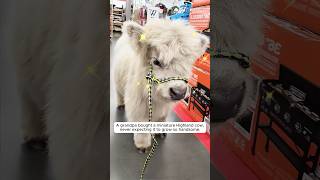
(237, 27)
(175, 45)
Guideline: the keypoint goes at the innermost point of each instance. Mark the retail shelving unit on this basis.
(118, 15)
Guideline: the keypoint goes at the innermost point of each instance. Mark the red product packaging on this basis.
(197, 105)
(305, 13)
(201, 71)
(197, 3)
(203, 62)
(288, 45)
(200, 17)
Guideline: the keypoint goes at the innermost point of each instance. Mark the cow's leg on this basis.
(33, 126)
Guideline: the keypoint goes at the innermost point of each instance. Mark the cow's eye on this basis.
(157, 62)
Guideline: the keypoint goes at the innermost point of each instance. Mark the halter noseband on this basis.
(241, 58)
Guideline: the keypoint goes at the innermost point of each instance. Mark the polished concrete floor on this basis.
(179, 157)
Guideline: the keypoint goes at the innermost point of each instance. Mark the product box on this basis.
(183, 13)
(284, 45)
(203, 62)
(305, 13)
(289, 45)
(201, 72)
(200, 17)
(199, 100)
(197, 3)
(197, 105)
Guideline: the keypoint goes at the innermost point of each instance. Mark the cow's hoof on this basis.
(121, 107)
(38, 144)
(162, 135)
(142, 150)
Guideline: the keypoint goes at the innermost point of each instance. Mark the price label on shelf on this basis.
(153, 13)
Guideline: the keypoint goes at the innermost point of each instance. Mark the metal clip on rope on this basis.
(152, 80)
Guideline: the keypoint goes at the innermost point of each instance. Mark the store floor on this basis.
(178, 157)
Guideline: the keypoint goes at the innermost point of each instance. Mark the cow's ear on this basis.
(134, 32)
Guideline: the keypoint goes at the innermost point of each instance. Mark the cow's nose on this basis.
(177, 93)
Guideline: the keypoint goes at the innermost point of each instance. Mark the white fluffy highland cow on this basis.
(59, 51)
(171, 47)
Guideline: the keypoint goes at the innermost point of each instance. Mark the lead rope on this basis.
(243, 60)
(152, 80)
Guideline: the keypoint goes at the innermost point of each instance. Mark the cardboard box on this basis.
(291, 46)
(203, 62)
(305, 13)
(197, 3)
(200, 17)
(200, 79)
(201, 71)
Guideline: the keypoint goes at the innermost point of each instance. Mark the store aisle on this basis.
(178, 157)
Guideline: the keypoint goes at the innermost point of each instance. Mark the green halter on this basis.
(153, 80)
(242, 59)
